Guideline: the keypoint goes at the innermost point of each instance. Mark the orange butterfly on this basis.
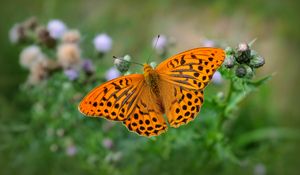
(174, 87)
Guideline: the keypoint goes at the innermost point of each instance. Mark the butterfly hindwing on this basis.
(146, 118)
(115, 99)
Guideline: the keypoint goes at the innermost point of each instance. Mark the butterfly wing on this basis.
(183, 78)
(115, 99)
(146, 118)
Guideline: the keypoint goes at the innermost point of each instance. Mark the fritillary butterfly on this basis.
(175, 88)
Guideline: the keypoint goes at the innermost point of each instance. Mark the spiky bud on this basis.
(240, 71)
(122, 63)
(243, 53)
(229, 61)
(257, 61)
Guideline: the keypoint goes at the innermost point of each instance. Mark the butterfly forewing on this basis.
(191, 69)
(115, 99)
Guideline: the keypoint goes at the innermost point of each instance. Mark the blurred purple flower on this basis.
(112, 73)
(71, 150)
(107, 143)
(56, 28)
(72, 74)
(208, 43)
(161, 44)
(102, 43)
(87, 66)
(217, 78)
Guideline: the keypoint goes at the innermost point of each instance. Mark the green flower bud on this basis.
(257, 61)
(240, 71)
(243, 53)
(123, 63)
(229, 51)
(249, 71)
(229, 61)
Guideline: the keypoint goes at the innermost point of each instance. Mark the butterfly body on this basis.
(174, 88)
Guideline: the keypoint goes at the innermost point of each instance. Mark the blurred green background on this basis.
(132, 24)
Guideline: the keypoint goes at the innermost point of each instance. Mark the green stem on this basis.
(229, 96)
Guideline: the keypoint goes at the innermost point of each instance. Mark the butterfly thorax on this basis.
(151, 78)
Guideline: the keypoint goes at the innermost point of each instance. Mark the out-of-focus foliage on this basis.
(240, 130)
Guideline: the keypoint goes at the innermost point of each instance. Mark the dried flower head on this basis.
(56, 28)
(31, 55)
(44, 37)
(38, 73)
(16, 34)
(31, 23)
(71, 36)
(69, 55)
(102, 43)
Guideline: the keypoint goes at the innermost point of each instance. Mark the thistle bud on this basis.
(243, 53)
(240, 71)
(257, 61)
(229, 51)
(249, 71)
(229, 61)
(123, 63)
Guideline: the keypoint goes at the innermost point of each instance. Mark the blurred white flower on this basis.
(217, 78)
(31, 55)
(16, 33)
(53, 148)
(161, 44)
(112, 73)
(259, 169)
(71, 150)
(60, 132)
(71, 36)
(56, 28)
(69, 55)
(107, 143)
(102, 43)
(208, 43)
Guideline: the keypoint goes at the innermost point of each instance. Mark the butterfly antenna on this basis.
(153, 49)
(118, 58)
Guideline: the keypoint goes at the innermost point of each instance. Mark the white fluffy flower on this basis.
(112, 73)
(103, 43)
(161, 43)
(56, 28)
(31, 55)
(217, 78)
